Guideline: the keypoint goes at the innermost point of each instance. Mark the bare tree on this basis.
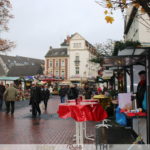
(5, 16)
(105, 49)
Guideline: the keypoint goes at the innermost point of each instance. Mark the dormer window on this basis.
(76, 45)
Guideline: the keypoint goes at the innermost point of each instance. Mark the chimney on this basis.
(50, 48)
(68, 39)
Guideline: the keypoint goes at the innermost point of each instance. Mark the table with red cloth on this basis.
(138, 122)
(88, 110)
(133, 114)
(85, 112)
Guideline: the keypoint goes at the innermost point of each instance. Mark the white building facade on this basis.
(79, 68)
(137, 26)
(80, 53)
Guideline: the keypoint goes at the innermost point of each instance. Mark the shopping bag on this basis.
(120, 117)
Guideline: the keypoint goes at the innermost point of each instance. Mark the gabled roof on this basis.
(57, 52)
(21, 66)
(11, 61)
(25, 71)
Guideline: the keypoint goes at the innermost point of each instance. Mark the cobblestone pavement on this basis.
(21, 128)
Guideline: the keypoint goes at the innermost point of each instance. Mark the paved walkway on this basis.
(21, 128)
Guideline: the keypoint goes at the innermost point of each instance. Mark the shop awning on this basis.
(65, 83)
(9, 78)
(51, 79)
(107, 74)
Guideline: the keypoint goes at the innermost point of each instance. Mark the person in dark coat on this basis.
(73, 92)
(2, 90)
(87, 92)
(42, 92)
(35, 99)
(141, 88)
(46, 95)
(62, 94)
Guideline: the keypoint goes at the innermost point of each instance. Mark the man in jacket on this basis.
(10, 97)
(62, 94)
(73, 92)
(88, 92)
(141, 88)
(35, 99)
(46, 94)
(2, 90)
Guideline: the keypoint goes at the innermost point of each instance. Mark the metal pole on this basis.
(148, 95)
(131, 79)
(125, 80)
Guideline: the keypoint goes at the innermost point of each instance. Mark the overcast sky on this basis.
(39, 24)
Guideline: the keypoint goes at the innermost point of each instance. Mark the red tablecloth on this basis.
(140, 114)
(131, 114)
(73, 101)
(88, 112)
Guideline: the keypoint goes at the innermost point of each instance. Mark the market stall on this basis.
(123, 65)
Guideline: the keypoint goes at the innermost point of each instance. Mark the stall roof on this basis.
(9, 78)
(122, 61)
(131, 51)
(126, 57)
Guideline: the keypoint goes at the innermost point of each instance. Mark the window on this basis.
(77, 61)
(51, 64)
(77, 57)
(63, 73)
(77, 70)
(57, 64)
(76, 45)
(57, 73)
(26, 63)
(62, 63)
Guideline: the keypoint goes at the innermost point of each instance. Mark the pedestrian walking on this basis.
(87, 92)
(10, 95)
(62, 94)
(42, 92)
(35, 99)
(46, 96)
(51, 90)
(73, 92)
(2, 90)
(6, 86)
